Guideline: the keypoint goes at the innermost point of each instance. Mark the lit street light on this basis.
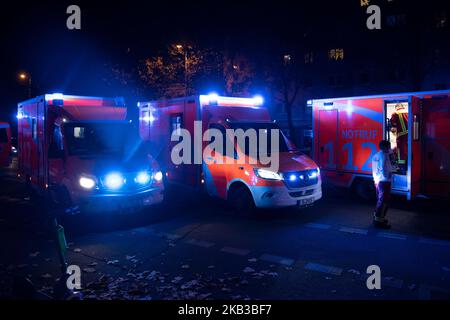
(180, 48)
(23, 76)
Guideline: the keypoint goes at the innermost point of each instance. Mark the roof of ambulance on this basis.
(118, 100)
(389, 95)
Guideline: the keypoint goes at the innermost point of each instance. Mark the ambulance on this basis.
(245, 185)
(5, 144)
(83, 154)
(347, 132)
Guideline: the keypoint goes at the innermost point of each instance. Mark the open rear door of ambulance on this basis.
(414, 147)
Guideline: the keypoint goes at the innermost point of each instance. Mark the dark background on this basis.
(34, 38)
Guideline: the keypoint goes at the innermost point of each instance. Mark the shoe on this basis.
(381, 225)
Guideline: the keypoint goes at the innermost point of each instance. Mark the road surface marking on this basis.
(435, 242)
(353, 230)
(200, 243)
(236, 251)
(318, 226)
(323, 268)
(277, 259)
(391, 235)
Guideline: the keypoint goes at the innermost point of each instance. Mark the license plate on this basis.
(305, 202)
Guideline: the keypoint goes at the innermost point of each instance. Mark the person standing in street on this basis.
(382, 176)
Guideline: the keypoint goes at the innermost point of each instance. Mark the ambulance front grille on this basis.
(301, 179)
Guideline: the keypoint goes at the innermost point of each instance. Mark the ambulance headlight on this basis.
(114, 181)
(143, 178)
(87, 183)
(314, 174)
(158, 176)
(267, 174)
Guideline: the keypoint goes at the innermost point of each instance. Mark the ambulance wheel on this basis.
(365, 189)
(241, 199)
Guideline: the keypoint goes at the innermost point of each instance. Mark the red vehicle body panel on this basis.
(158, 119)
(5, 144)
(37, 119)
(347, 132)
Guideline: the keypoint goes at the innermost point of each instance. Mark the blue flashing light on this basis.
(258, 100)
(143, 177)
(54, 96)
(114, 181)
(292, 177)
(213, 98)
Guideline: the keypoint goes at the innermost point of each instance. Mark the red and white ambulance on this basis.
(347, 132)
(83, 151)
(5, 144)
(245, 184)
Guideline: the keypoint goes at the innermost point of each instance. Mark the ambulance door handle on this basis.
(241, 168)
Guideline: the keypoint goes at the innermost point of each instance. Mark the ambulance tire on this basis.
(365, 189)
(241, 200)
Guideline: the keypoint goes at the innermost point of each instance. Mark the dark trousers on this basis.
(383, 197)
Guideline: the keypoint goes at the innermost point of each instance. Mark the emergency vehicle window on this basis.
(34, 128)
(267, 129)
(176, 123)
(56, 147)
(3, 136)
(226, 140)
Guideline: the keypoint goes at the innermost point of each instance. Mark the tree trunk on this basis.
(290, 121)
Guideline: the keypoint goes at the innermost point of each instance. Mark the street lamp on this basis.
(23, 76)
(181, 48)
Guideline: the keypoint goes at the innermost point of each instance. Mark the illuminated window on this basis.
(287, 58)
(440, 19)
(78, 132)
(336, 54)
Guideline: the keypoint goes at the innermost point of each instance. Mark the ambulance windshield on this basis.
(268, 129)
(100, 139)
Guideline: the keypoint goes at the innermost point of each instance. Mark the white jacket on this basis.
(381, 167)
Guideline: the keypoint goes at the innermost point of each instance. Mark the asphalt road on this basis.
(194, 247)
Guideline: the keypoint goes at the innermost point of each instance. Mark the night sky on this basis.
(35, 39)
